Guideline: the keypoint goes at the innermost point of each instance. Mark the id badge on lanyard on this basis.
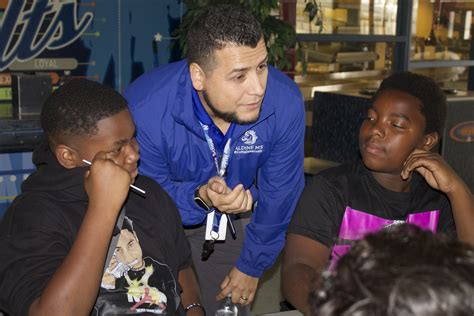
(216, 224)
(216, 228)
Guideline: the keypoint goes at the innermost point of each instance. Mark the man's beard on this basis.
(230, 117)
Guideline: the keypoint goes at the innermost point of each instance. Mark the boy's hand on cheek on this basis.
(107, 183)
(437, 173)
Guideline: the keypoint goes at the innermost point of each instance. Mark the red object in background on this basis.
(288, 11)
(3, 4)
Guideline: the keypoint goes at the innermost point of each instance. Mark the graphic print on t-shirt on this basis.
(133, 284)
(356, 224)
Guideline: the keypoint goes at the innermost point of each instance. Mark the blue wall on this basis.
(14, 168)
(123, 39)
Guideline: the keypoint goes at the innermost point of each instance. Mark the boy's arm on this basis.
(191, 293)
(73, 288)
(303, 261)
(462, 204)
(439, 175)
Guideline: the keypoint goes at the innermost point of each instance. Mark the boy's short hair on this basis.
(75, 108)
(217, 26)
(426, 90)
(402, 270)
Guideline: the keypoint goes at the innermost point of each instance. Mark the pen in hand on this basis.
(137, 189)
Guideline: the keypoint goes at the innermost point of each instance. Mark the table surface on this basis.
(289, 313)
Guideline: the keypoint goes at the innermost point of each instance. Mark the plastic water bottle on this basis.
(227, 308)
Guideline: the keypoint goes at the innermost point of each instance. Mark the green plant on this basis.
(279, 35)
(315, 13)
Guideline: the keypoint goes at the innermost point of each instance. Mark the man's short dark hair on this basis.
(218, 26)
(75, 108)
(426, 90)
(400, 271)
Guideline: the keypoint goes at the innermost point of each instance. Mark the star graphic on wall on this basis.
(158, 37)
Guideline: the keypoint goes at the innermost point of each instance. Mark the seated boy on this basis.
(398, 180)
(54, 239)
(403, 271)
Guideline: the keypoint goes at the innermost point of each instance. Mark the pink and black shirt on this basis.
(343, 204)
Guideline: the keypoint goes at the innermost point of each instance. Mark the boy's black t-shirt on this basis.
(38, 230)
(344, 203)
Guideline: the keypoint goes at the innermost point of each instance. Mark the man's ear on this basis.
(430, 141)
(198, 77)
(66, 156)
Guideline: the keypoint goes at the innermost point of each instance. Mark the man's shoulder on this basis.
(282, 86)
(158, 75)
(284, 98)
(155, 82)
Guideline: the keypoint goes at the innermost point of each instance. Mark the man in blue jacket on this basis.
(222, 131)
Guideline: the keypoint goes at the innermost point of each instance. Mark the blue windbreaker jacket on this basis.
(266, 157)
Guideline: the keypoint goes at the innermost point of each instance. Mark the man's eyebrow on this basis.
(239, 69)
(264, 60)
(247, 68)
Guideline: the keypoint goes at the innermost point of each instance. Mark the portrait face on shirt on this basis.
(128, 250)
(394, 127)
(116, 136)
(232, 88)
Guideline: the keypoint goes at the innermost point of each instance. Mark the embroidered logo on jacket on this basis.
(249, 139)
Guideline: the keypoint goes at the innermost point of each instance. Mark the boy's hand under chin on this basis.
(437, 173)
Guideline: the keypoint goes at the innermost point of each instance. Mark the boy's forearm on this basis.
(191, 293)
(297, 283)
(462, 205)
(73, 288)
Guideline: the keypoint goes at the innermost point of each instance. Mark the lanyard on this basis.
(222, 167)
(221, 171)
(215, 140)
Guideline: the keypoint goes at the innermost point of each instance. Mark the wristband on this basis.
(193, 305)
(199, 201)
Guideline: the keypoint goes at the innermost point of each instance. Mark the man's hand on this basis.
(241, 285)
(225, 199)
(107, 183)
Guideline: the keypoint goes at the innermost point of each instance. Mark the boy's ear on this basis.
(66, 156)
(197, 76)
(430, 141)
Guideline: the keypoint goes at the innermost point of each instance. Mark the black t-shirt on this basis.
(38, 230)
(345, 203)
(148, 289)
